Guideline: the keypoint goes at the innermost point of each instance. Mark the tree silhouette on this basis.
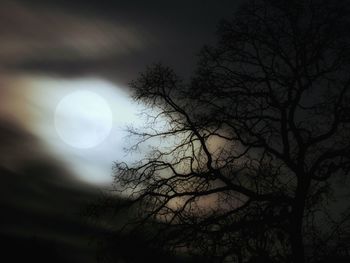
(244, 156)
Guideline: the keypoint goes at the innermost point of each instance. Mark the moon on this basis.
(83, 119)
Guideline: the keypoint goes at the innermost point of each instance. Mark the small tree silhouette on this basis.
(250, 146)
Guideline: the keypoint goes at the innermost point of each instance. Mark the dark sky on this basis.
(113, 40)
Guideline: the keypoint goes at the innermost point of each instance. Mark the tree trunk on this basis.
(296, 229)
(297, 246)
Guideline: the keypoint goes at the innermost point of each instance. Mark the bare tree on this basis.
(243, 156)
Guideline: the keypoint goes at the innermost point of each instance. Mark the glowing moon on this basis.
(83, 119)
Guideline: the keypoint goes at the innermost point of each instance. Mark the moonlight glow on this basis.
(83, 119)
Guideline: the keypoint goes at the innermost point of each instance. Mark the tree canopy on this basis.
(244, 156)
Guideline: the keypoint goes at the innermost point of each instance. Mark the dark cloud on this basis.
(41, 204)
(97, 37)
(68, 67)
(47, 37)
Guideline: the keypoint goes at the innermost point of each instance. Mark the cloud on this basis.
(40, 203)
(75, 38)
(21, 150)
(48, 39)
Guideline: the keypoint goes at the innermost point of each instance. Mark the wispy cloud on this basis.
(50, 39)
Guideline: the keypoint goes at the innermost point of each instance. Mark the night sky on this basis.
(49, 49)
